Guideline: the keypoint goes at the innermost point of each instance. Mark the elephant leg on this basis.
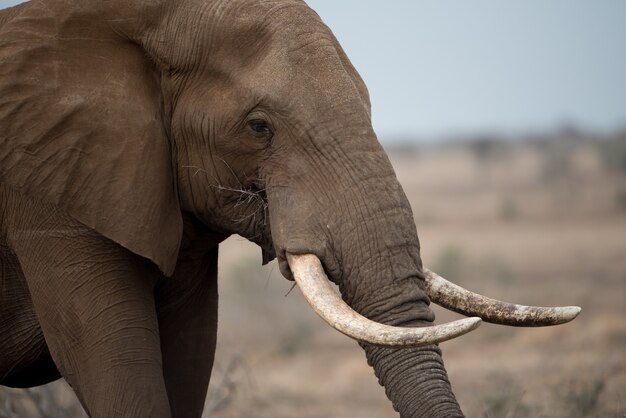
(95, 303)
(187, 312)
(24, 357)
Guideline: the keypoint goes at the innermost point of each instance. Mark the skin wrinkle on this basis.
(363, 232)
(404, 304)
(372, 217)
(391, 247)
(320, 168)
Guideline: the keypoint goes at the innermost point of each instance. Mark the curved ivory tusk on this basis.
(317, 290)
(458, 299)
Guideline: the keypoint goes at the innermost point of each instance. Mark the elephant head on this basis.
(248, 117)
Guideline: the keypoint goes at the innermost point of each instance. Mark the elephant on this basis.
(137, 135)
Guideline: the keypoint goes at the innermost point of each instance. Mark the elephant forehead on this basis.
(231, 33)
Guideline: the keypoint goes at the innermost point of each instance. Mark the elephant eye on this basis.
(261, 128)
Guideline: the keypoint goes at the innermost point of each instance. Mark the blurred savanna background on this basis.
(506, 124)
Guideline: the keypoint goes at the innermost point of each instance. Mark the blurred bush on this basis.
(613, 151)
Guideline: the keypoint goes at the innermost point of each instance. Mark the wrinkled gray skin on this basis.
(137, 135)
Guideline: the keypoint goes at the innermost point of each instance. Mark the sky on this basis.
(442, 67)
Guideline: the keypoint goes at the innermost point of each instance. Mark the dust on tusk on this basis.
(463, 301)
(318, 292)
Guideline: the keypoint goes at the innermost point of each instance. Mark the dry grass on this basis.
(536, 223)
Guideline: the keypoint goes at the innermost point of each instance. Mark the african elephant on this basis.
(135, 136)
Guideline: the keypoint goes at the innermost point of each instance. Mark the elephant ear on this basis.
(81, 126)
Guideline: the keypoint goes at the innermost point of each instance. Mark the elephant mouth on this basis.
(311, 278)
(265, 242)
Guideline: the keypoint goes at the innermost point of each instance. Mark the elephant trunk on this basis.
(360, 225)
(415, 380)
(385, 283)
(383, 280)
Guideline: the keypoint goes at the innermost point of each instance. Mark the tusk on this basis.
(458, 299)
(317, 290)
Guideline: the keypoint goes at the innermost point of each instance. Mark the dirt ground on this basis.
(539, 223)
